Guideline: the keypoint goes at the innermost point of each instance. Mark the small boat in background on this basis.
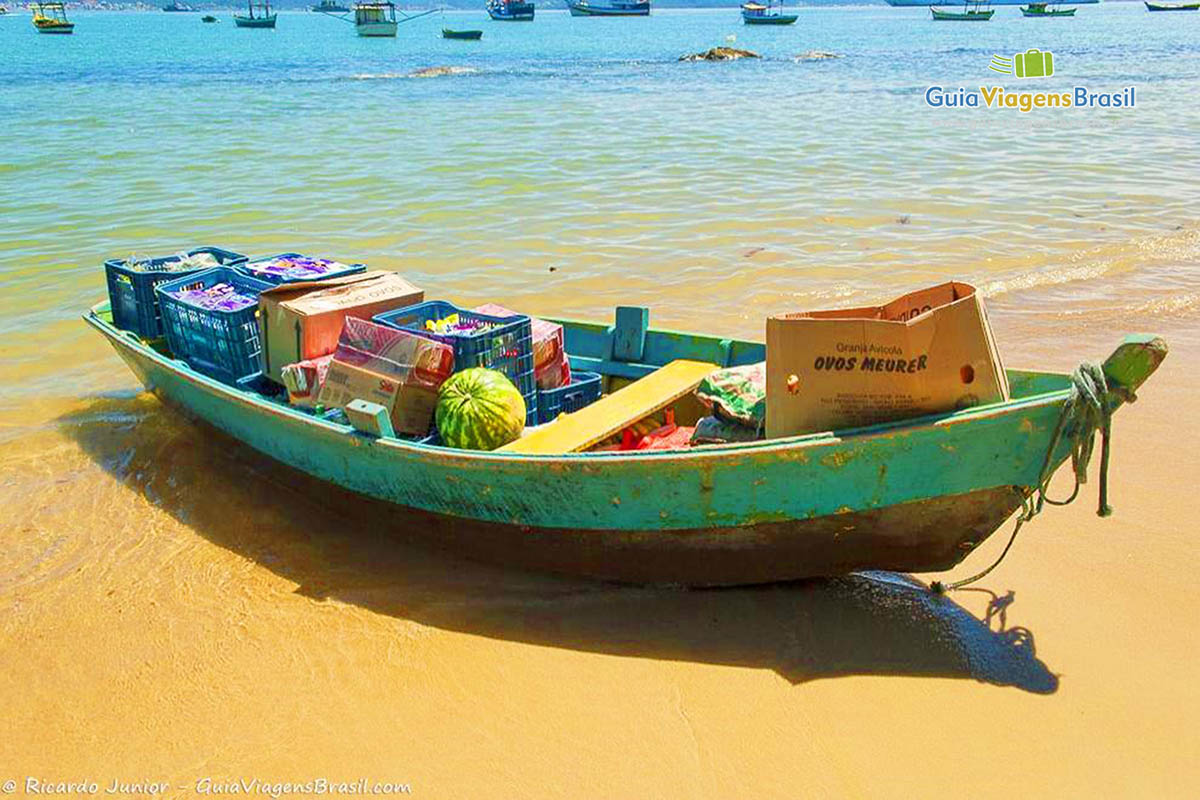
(208, 18)
(51, 18)
(770, 14)
(331, 7)
(464, 35)
(510, 10)
(1172, 6)
(615, 8)
(1042, 10)
(259, 15)
(3, 10)
(972, 12)
(375, 19)
(180, 8)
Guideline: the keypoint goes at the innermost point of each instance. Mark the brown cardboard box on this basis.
(926, 352)
(300, 321)
(410, 406)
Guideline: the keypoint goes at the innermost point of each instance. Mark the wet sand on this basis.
(274, 634)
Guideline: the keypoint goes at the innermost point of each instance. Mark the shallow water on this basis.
(562, 167)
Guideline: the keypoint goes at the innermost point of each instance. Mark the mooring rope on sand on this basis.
(1086, 411)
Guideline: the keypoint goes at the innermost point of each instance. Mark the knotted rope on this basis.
(1086, 410)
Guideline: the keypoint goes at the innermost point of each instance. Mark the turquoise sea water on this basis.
(570, 164)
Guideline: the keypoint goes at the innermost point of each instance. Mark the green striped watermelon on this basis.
(479, 409)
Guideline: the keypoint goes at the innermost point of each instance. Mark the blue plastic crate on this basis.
(131, 291)
(248, 269)
(584, 389)
(221, 344)
(506, 347)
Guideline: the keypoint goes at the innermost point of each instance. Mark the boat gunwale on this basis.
(249, 399)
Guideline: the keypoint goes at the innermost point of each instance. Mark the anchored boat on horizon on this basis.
(614, 8)
(510, 10)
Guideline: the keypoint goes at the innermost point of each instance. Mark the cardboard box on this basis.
(299, 321)
(409, 406)
(927, 352)
(408, 357)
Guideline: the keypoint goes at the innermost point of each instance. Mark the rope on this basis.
(1086, 410)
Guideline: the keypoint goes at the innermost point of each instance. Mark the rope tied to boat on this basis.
(1086, 411)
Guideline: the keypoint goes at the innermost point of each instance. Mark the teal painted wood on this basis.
(785, 480)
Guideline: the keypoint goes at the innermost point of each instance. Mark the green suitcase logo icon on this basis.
(1034, 64)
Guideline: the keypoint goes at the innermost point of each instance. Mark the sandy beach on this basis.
(178, 610)
(276, 636)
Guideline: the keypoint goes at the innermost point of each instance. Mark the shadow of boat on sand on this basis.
(338, 545)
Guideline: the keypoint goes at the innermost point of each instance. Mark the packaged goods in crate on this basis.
(297, 268)
(211, 321)
(397, 369)
(551, 369)
(502, 343)
(131, 283)
(301, 321)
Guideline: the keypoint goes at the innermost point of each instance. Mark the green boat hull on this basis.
(962, 16)
(916, 496)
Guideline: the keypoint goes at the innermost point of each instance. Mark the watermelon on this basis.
(479, 409)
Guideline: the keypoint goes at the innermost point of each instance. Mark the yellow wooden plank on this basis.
(608, 415)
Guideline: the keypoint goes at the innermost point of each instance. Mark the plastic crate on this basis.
(221, 344)
(584, 389)
(131, 291)
(506, 347)
(248, 269)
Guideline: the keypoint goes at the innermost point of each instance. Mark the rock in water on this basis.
(720, 54)
(817, 55)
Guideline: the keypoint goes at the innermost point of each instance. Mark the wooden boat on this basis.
(1172, 6)
(258, 15)
(51, 18)
(917, 495)
(208, 18)
(769, 14)
(962, 16)
(465, 35)
(510, 10)
(375, 19)
(1042, 10)
(614, 8)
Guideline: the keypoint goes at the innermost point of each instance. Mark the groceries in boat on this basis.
(304, 320)
(479, 409)
(660, 502)
(296, 268)
(500, 342)
(716, 430)
(396, 369)
(927, 352)
(303, 380)
(737, 394)
(551, 367)
(210, 320)
(131, 283)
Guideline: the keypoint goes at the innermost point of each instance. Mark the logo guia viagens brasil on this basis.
(1032, 63)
